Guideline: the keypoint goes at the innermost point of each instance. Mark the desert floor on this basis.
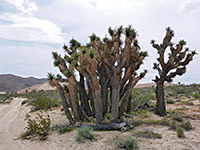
(12, 124)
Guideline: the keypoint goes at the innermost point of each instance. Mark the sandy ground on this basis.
(12, 124)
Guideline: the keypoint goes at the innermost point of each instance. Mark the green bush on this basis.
(195, 95)
(108, 116)
(40, 127)
(186, 103)
(149, 134)
(164, 122)
(64, 128)
(186, 125)
(173, 125)
(44, 100)
(182, 90)
(178, 117)
(6, 98)
(24, 102)
(84, 134)
(170, 101)
(180, 132)
(128, 143)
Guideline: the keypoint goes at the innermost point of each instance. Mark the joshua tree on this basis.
(108, 66)
(178, 58)
(55, 83)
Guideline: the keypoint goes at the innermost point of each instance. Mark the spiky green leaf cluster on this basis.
(68, 59)
(120, 30)
(94, 37)
(182, 42)
(143, 74)
(74, 56)
(68, 73)
(168, 29)
(130, 32)
(74, 43)
(152, 41)
(111, 31)
(65, 47)
(91, 52)
(55, 55)
(50, 76)
(82, 50)
(57, 62)
(143, 53)
(66, 88)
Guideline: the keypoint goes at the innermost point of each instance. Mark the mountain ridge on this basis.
(14, 83)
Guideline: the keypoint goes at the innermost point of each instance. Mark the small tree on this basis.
(178, 58)
(108, 66)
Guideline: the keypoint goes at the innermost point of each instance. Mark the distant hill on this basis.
(37, 87)
(13, 83)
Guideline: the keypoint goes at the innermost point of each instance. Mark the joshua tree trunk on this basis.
(74, 99)
(129, 105)
(90, 96)
(83, 97)
(160, 104)
(98, 106)
(115, 98)
(65, 104)
(104, 93)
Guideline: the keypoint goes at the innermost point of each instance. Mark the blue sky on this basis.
(31, 29)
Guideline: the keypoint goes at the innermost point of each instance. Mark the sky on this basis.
(31, 29)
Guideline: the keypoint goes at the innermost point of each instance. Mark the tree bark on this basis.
(104, 92)
(115, 98)
(129, 105)
(160, 104)
(65, 104)
(98, 106)
(74, 98)
(90, 96)
(83, 97)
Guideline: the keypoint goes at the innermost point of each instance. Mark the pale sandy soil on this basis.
(12, 125)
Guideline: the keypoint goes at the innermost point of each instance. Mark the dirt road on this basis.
(11, 123)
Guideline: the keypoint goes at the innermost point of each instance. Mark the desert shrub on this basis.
(142, 95)
(173, 125)
(6, 98)
(136, 122)
(178, 117)
(108, 116)
(64, 128)
(84, 134)
(39, 127)
(170, 101)
(127, 143)
(24, 101)
(149, 134)
(195, 95)
(186, 103)
(186, 125)
(180, 132)
(181, 90)
(44, 100)
(164, 122)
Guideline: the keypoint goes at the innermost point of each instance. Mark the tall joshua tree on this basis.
(178, 58)
(55, 82)
(107, 66)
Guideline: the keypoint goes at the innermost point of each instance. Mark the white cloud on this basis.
(27, 28)
(25, 6)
